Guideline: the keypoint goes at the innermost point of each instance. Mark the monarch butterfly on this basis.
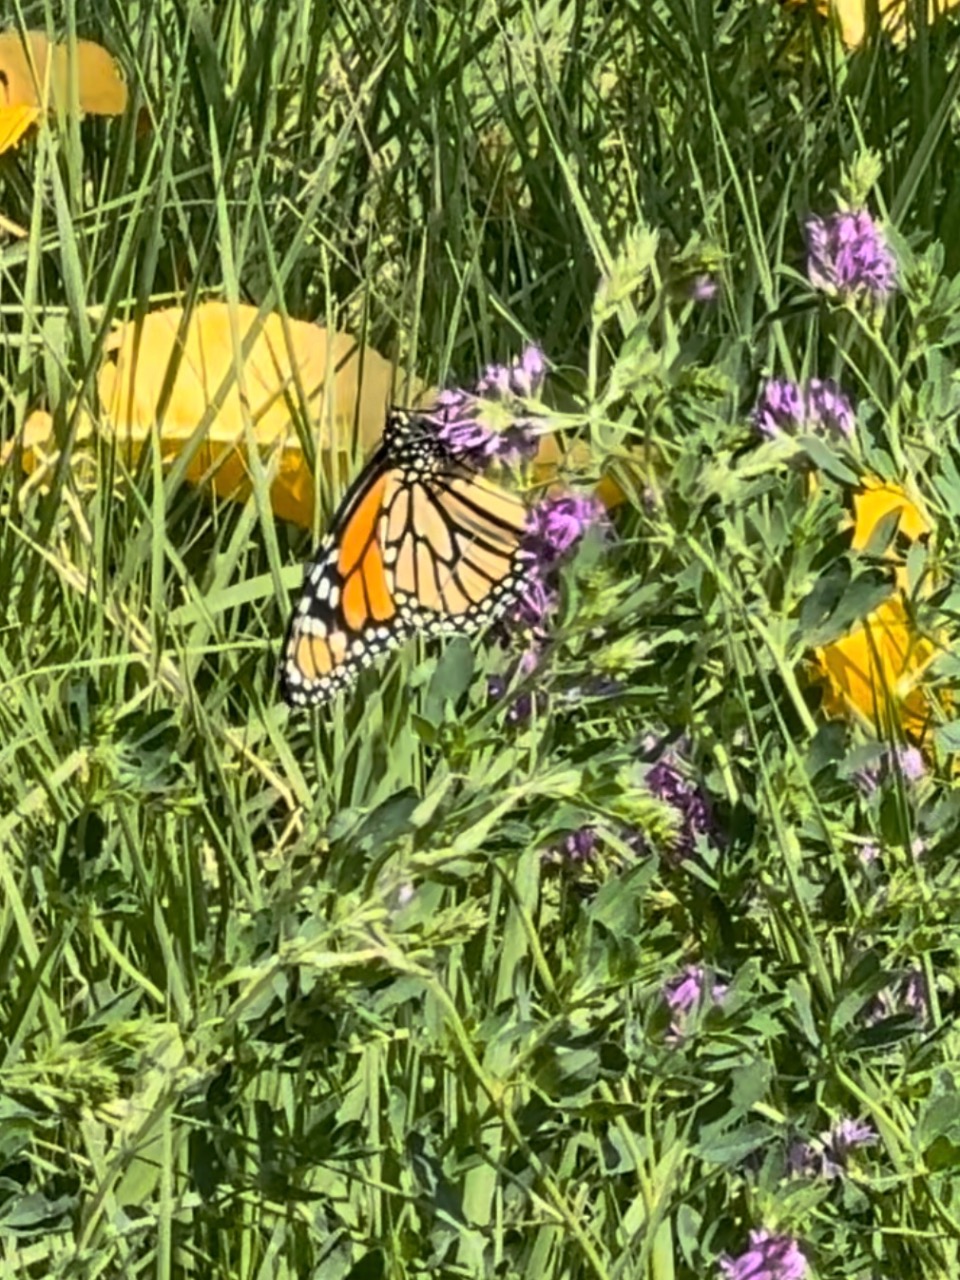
(420, 544)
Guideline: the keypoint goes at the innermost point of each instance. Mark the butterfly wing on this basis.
(411, 549)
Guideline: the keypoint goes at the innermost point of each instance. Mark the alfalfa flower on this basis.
(575, 848)
(691, 989)
(770, 1257)
(905, 996)
(828, 409)
(848, 256)
(779, 409)
(703, 288)
(554, 528)
(668, 781)
(842, 1138)
(786, 408)
(489, 422)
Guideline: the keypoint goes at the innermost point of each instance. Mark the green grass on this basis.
(298, 995)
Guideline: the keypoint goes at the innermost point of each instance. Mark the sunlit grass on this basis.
(297, 995)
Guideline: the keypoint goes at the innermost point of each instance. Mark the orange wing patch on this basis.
(379, 598)
(361, 527)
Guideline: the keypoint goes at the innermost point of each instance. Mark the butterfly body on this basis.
(421, 544)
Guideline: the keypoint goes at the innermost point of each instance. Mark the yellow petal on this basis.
(850, 16)
(878, 498)
(341, 384)
(875, 672)
(14, 123)
(36, 73)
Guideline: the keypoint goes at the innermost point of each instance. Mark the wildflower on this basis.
(848, 256)
(842, 1138)
(910, 760)
(869, 852)
(554, 527)
(581, 845)
(688, 991)
(769, 1257)
(666, 782)
(828, 409)
(703, 288)
(784, 408)
(463, 418)
(685, 991)
(577, 849)
(779, 408)
(802, 1159)
(907, 762)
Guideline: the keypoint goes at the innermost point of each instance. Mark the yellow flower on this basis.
(878, 498)
(850, 17)
(875, 672)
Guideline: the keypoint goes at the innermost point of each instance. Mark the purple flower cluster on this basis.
(842, 1138)
(687, 991)
(576, 848)
(554, 527)
(829, 1156)
(462, 418)
(784, 408)
(770, 1257)
(848, 256)
(665, 781)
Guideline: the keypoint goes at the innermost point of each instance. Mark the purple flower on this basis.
(907, 761)
(910, 761)
(783, 407)
(848, 256)
(557, 524)
(686, 991)
(842, 1138)
(769, 1257)
(554, 527)
(576, 849)
(459, 415)
(828, 409)
(665, 781)
(528, 373)
(802, 1159)
(779, 408)
(581, 845)
(869, 852)
(703, 288)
